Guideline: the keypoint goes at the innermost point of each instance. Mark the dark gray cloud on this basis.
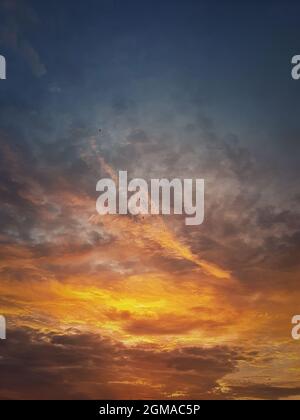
(76, 365)
(265, 391)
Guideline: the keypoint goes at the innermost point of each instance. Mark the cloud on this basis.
(141, 282)
(171, 324)
(265, 391)
(36, 365)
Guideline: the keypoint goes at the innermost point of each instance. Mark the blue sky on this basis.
(229, 59)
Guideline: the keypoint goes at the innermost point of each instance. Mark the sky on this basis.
(117, 307)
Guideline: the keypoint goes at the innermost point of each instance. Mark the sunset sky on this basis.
(124, 307)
